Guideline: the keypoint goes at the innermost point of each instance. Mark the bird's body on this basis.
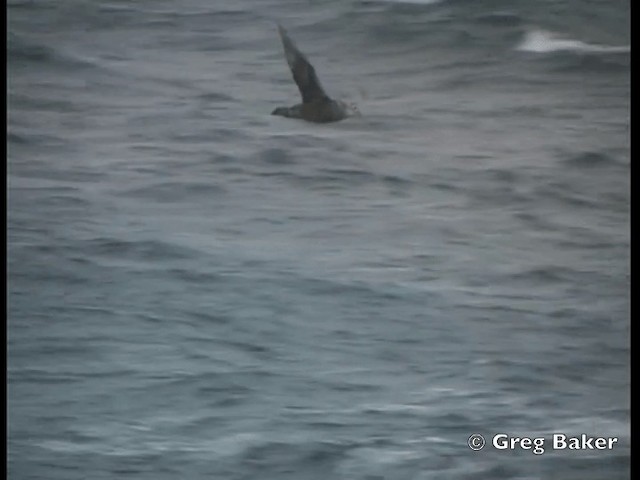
(318, 112)
(316, 105)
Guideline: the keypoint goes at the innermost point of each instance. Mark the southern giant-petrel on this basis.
(316, 105)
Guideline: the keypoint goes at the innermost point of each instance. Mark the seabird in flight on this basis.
(316, 105)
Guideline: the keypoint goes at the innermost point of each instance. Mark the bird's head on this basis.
(353, 109)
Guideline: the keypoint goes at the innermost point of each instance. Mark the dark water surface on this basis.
(198, 289)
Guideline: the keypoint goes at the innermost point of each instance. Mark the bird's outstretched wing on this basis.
(303, 72)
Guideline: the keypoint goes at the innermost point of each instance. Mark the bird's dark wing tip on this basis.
(303, 72)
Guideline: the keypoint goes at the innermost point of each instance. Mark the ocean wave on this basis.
(172, 191)
(413, 2)
(541, 41)
(22, 51)
(14, 138)
(155, 250)
(590, 159)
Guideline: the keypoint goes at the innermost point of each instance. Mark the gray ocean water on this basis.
(198, 289)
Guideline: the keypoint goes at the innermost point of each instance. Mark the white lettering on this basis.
(538, 443)
(586, 442)
(583, 442)
(500, 441)
(559, 441)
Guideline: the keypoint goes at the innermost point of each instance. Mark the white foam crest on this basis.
(540, 41)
